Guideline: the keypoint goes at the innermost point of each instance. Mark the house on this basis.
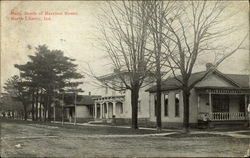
(219, 98)
(118, 103)
(79, 106)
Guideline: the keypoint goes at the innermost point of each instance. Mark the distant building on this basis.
(84, 107)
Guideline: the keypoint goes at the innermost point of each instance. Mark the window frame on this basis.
(106, 90)
(166, 110)
(177, 110)
(139, 107)
(155, 102)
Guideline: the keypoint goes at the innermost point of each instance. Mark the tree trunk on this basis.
(13, 114)
(21, 115)
(158, 104)
(186, 94)
(134, 104)
(37, 93)
(40, 108)
(49, 105)
(33, 102)
(45, 106)
(25, 110)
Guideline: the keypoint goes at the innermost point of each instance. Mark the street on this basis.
(38, 140)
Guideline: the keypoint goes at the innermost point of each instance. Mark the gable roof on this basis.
(239, 81)
(242, 80)
(81, 99)
(84, 100)
(118, 73)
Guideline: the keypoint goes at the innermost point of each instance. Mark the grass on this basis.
(83, 129)
(74, 141)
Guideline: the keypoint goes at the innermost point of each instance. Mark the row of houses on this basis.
(220, 98)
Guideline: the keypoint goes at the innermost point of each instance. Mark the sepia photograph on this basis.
(126, 78)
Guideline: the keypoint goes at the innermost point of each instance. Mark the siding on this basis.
(193, 109)
(82, 112)
(204, 103)
(171, 107)
(214, 81)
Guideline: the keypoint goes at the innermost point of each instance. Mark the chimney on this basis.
(209, 66)
(89, 93)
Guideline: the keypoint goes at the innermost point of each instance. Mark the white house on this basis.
(118, 103)
(219, 98)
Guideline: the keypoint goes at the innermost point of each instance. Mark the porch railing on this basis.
(220, 116)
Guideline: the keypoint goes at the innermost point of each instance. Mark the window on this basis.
(220, 103)
(177, 105)
(166, 105)
(119, 105)
(105, 107)
(106, 90)
(139, 106)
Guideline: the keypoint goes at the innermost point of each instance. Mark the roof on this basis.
(117, 74)
(171, 83)
(81, 99)
(242, 80)
(112, 75)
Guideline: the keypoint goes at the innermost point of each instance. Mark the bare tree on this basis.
(124, 27)
(191, 30)
(160, 10)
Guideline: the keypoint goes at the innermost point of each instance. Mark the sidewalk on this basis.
(114, 126)
(235, 134)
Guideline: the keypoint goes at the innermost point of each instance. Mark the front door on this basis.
(220, 103)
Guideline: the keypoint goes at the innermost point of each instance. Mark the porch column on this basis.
(107, 105)
(198, 100)
(114, 107)
(210, 102)
(246, 111)
(101, 108)
(95, 110)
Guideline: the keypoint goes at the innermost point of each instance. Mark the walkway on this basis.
(235, 134)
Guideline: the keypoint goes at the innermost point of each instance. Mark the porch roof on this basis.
(223, 90)
(110, 98)
(171, 83)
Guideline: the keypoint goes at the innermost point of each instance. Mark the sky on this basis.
(76, 35)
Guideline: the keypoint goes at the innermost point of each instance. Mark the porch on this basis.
(222, 116)
(108, 107)
(222, 105)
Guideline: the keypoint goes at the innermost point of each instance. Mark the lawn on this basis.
(82, 129)
(25, 139)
